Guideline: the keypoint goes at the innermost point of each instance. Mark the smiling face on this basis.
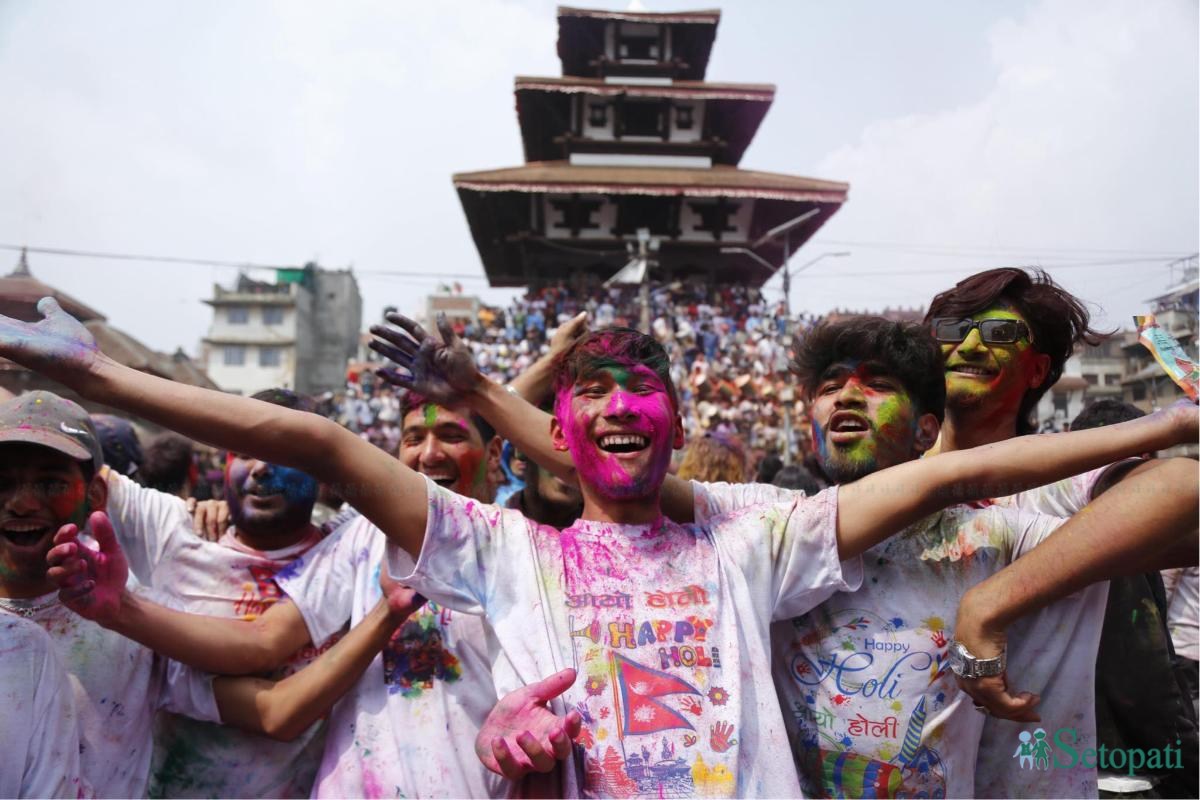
(442, 444)
(620, 425)
(863, 420)
(40, 491)
(991, 377)
(267, 500)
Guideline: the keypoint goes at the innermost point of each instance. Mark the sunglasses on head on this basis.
(991, 331)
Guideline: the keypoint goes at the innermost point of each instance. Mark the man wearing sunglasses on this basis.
(1005, 336)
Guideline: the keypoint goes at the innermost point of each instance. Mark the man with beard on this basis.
(270, 507)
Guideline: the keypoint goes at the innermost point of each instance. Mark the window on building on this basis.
(1112, 380)
(235, 355)
(238, 315)
(638, 41)
(1091, 379)
(684, 118)
(1139, 392)
(272, 315)
(598, 115)
(643, 118)
(576, 214)
(270, 356)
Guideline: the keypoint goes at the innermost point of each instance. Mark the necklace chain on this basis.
(23, 610)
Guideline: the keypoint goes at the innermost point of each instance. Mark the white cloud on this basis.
(1087, 139)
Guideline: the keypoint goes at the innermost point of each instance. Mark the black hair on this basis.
(1057, 320)
(796, 477)
(1106, 411)
(412, 401)
(168, 459)
(903, 350)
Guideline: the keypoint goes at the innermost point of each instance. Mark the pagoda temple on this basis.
(633, 138)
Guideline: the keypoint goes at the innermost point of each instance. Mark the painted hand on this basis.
(720, 736)
(58, 346)
(568, 333)
(442, 371)
(210, 518)
(522, 735)
(91, 581)
(402, 601)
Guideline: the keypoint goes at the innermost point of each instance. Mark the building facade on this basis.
(632, 138)
(297, 332)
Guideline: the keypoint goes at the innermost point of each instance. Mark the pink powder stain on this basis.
(651, 414)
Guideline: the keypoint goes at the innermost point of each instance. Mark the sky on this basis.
(973, 134)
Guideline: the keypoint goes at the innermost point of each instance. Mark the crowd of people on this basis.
(363, 610)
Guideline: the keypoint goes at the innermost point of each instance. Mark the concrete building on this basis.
(296, 333)
(1144, 384)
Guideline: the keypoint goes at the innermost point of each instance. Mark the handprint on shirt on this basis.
(693, 705)
(720, 737)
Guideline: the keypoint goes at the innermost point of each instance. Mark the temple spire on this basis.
(22, 270)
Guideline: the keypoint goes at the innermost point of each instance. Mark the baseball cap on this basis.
(46, 419)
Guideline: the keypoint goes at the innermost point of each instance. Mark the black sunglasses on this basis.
(991, 331)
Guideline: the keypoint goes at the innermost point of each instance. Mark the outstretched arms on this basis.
(388, 493)
(92, 584)
(1151, 511)
(885, 502)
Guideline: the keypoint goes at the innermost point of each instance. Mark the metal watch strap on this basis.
(965, 665)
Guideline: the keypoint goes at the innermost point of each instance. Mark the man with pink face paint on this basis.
(664, 621)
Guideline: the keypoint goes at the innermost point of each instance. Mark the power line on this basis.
(211, 262)
(967, 249)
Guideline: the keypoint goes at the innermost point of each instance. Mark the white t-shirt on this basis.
(222, 579)
(1052, 653)
(119, 685)
(39, 729)
(407, 728)
(1183, 614)
(667, 625)
(871, 706)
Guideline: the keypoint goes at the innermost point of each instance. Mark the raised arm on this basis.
(92, 583)
(384, 490)
(1150, 512)
(445, 371)
(284, 709)
(885, 502)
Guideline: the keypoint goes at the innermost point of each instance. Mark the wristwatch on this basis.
(965, 665)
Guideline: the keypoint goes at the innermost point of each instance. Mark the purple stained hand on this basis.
(442, 371)
(90, 581)
(522, 735)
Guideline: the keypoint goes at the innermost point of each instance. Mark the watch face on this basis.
(957, 661)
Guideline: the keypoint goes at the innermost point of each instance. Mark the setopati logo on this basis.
(1037, 750)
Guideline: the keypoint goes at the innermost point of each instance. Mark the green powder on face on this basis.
(430, 415)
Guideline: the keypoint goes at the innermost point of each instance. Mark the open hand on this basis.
(442, 371)
(90, 581)
(522, 735)
(58, 346)
(569, 333)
